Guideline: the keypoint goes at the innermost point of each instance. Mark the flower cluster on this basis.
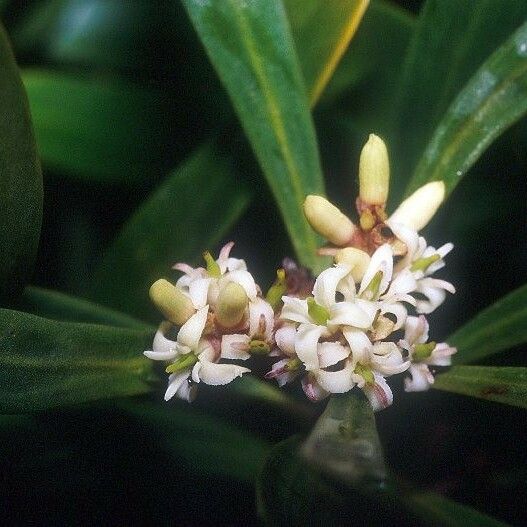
(350, 327)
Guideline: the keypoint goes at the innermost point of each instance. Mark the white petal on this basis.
(236, 264)
(396, 309)
(198, 291)
(402, 284)
(261, 319)
(421, 378)
(281, 373)
(175, 380)
(410, 238)
(380, 395)
(349, 314)
(219, 374)
(163, 348)
(295, 310)
(329, 353)
(243, 278)
(191, 330)
(442, 355)
(416, 330)
(187, 392)
(235, 346)
(325, 286)
(381, 260)
(225, 252)
(387, 359)
(335, 381)
(312, 389)
(285, 340)
(306, 344)
(361, 347)
(434, 290)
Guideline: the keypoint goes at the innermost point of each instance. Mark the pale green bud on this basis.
(417, 210)
(171, 301)
(327, 220)
(232, 303)
(374, 172)
(358, 261)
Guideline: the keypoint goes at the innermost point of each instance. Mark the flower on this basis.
(422, 354)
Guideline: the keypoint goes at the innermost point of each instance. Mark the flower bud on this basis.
(417, 210)
(171, 301)
(232, 303)
(358, 261)
(327, 220)
(374, 172)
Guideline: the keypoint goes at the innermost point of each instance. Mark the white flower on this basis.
(422, 353)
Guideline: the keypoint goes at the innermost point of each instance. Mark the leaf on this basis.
(101, 129)
(436, 68)
(322, 32)
(506, 385)
(494, 98)
(344, 442)
(46, 364)
(188, 213)
(208, 445)
(437, 510)
(500, 326)
(252, 51)
(60, 306)
(20, 180)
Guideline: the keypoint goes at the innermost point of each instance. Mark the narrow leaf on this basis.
(46, 364)
(501, 326)
(494, 98)
(506, 385)
(101, 129)
(20, 180)
(440, 511)
(188, 213)
(322, 32)
(250, 46)
(436, 68)
(60, 306)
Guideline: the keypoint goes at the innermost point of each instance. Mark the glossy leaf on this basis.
(46, 364)
(252, 50)
(64, 307)
(188, 213)
(436, 68)
(501, 326)
(439, 511)
(506, 385)
(101, 129)
(494, 98)
(20, 180)
(322, 32)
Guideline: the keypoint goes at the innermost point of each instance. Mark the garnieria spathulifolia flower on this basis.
(215, 312)
(334, 335)
(422, 354)
(371, 230)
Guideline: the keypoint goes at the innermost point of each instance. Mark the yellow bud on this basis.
(171, 301)
(232, 302)
(374, 172)
(358, 261)
(327, 220)
(417, 210)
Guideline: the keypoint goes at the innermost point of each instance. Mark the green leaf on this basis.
(344, 443)
(46, 364)
(101, 129)
(20, 180)
(436, 68)
(252, 50)
(322, 32)
(494, 98)
(501, 326)
(206, 444)
(189, 213)
(506, 385)
(439, 511)
(60, 306)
